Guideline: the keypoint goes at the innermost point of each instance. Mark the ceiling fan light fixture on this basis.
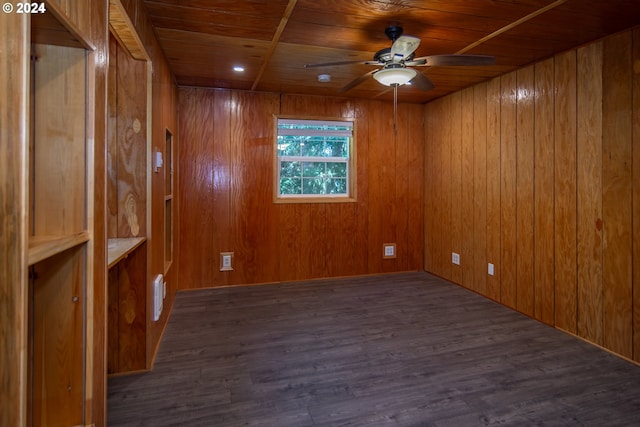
(394, 76)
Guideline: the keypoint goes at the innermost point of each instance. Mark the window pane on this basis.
(338, 186)
(290, 169)
(337, 170)
(313, 169)
(288, 146)
(291, 186)
(313, 148)
(314, 157)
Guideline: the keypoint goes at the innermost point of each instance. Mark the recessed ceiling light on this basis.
(238, 68)
(324, 78)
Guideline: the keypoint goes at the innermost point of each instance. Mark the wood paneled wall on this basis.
(226, 192)
(538, 172)
(163, 116)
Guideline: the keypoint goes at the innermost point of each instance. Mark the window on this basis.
(314, 160)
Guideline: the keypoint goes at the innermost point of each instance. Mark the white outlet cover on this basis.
(226, 261)
(490, 269)
(455, 258)
(389, 250)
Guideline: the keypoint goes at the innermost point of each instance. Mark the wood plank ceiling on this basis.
(273, 40)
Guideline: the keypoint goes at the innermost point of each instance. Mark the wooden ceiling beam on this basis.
(274, 42)
(512, 25)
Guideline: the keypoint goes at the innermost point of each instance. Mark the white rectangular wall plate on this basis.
(389, 250)
(490, 269)
(158, 296)
(226, 261)
(455, 258)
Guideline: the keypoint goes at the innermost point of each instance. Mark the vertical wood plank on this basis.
(382, 165)
(429, 186)
(58, 329)
(456, 184)
(525, 188)
(131, 129)
(509, 241)
(543, 192)
(589, 193)
(636, 194)
(253, 224)
(442, 227)
(565, 192)
(480, 188)
(14, 146)
(196, 163)
(112, 141)
(132, 311)
(63, 129)
(218, 231)
(617, 193)
(415, 186)
(493, 187)
(467, 250)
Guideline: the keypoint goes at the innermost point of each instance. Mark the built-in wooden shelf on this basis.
(118, 249)
(43, 247)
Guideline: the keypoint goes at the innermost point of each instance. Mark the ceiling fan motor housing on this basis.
(393, 32)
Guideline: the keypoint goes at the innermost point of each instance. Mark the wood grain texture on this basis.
(254, 236)
(14, 145)
(564, 189)
(197, 122)
(493, 187)
(382, 213)
(442, 191)
(429, 185)
(57, 302)
(325, 353)
(508, 271)
(456, 211)
(467, 250)
(132, 311)
(59, 135)
(275, 242)
(543, 192)
(322, 31)
(566, 163)
(131, 137)
(589, 157)
(480, 188)
(112, 140)
(636, 194)
(617, 192)
(525, 140)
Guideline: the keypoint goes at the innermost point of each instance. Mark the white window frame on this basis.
(349, 161)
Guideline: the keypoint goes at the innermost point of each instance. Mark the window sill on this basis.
(286, 200)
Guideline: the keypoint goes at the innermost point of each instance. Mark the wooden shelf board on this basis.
(43, 247)
(120, 248)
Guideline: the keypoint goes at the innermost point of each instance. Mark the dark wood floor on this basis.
(393, 350)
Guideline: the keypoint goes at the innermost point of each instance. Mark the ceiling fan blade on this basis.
(357, 81)
(422, 82)
(454, 60)
(416, 62)
(327, 64)
(404, 46)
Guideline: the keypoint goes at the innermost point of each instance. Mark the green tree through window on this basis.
(314, 158)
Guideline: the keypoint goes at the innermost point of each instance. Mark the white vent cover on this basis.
(158, 297)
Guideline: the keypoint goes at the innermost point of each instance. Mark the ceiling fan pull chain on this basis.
(395, 108)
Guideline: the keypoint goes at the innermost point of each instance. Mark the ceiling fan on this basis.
(396, 63)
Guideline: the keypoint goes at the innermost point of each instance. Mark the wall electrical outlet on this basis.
(490, 269)
(389, 250)
(455, 258)
(226, 261)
